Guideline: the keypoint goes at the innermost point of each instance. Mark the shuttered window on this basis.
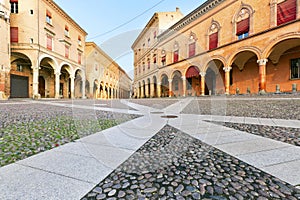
(286, 11)
(213, 41)
(192, 49)
(14, 34)
(176, 56)
(49, 42)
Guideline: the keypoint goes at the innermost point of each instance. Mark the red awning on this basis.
(192, 72)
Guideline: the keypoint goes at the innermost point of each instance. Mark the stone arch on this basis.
(253, 50)
(285, 38)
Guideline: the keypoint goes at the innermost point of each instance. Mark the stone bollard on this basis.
(237, 90)
(277, 89)
(294, 87)
(209, 92)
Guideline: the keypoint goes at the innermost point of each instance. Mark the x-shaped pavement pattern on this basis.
(72, 170)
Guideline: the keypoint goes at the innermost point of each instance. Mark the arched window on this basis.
(243, 24)
(213, 35)
(192, 44)
(176, 52)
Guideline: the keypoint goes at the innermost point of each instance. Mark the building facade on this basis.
(43, 53)
(105, 79)
(223, 47)
(47, 50)
(5, 45)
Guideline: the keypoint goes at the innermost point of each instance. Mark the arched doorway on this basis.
(47, 67)
(164, 86)
(193, 81)
(245, 73)
(177, 86)
(42, 86)
(20, 76)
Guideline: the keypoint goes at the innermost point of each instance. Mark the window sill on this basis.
(294, 79)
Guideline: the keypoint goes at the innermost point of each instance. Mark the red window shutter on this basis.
(192, 49)
(163, 59)
(67, 49)
(48, 13)
(286, 11)
(176, 56)
(79, 58)
(14, 34)
(213, 41)
(154, 60)
(13, 1)
(242, 27)
(66, 28)
(49, 42)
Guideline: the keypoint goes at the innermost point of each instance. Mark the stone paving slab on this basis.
(65, 164)
(272, 157)
(24, 183)
(288, 172)
(110, 156)
(251, 146)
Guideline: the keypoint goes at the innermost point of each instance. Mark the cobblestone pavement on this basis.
(27, 129)
(283, 134)
(155, 103)
(174, 165)
(260, 107)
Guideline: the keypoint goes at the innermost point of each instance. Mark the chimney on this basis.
(177, 9)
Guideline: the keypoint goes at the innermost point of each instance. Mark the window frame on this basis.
(14, 7)
(297, 66)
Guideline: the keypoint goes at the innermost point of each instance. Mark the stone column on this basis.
(158, 90)
(83, 88)
(183, 86)
(142, 92)
(91, 91)
(152, 90)
(202, 74)
(72, 86)
(147, 90)
(170, 87)
(227, 79)
(35, 82)
(262, 74)
(57, 85)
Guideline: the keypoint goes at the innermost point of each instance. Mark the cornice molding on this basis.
(194, 15)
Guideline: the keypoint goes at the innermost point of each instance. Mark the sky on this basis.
(114, 24)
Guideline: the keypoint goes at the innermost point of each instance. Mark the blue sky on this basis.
(100, 19)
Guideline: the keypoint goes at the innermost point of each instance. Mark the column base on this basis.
(262, 92)
(3, 96)
(36, 96)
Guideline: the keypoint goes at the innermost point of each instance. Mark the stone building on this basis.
(4, 45)
(43, 54)
(105, 79)
(47, 51)
(222, 47)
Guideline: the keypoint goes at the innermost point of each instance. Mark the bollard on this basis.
(294, 87)
(277, 89)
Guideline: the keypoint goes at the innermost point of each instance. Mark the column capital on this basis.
(159, 83)
(170, 80)
(72, 77)
(227, 69)
(183, 78)
(202, 74)
(57, 73)
(262, 61)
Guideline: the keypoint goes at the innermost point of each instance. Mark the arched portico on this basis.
(245, 73)
(20, 76)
